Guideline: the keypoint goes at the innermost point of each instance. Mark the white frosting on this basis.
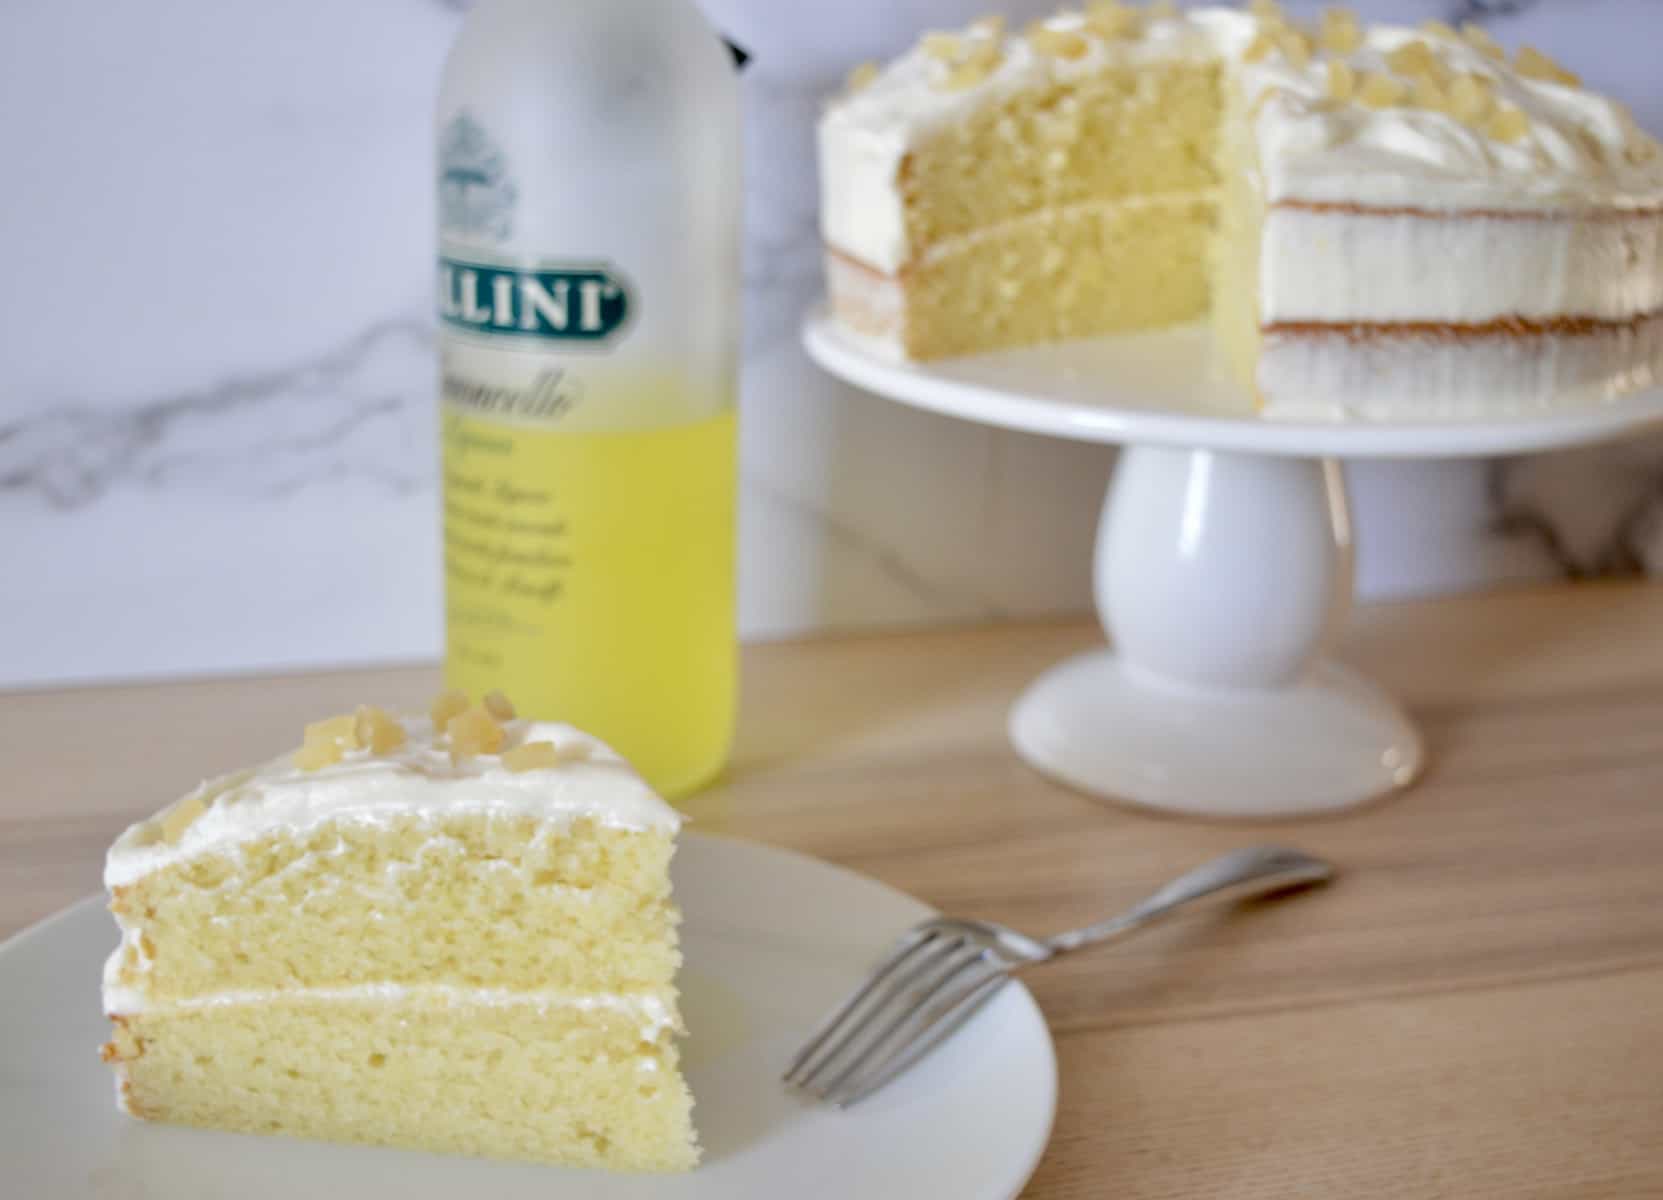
(655, 1013)
(1339, 267)
(418, 778)
(1575, 156)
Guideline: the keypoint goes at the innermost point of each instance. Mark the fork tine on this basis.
(946, 1019)
(904, 946)
(909, 1005)
(925, 960)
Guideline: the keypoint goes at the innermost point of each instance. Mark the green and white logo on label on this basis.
(581, 303)
(476, 196)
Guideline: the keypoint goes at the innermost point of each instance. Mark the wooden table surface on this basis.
(1474, 1010)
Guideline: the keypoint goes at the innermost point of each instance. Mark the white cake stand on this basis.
(1223, 569)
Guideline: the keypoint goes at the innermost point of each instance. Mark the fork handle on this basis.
(1250, 872)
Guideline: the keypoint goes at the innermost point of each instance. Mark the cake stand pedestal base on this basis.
(1328, 742)
(1221, 578)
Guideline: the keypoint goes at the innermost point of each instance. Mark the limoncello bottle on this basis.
(588, 205)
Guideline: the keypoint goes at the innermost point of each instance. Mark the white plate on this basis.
(772, 940)
(1166, 388)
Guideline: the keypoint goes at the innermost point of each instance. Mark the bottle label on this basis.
(561, 303)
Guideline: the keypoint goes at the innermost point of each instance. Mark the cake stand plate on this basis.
(1223, 567)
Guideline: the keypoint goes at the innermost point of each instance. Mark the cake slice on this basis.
(453, 934)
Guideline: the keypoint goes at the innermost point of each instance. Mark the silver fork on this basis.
(942, 970)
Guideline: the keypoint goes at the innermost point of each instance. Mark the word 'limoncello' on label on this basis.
(590, 576)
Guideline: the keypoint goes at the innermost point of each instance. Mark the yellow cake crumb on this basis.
(1267, 10)
(377, 729)
(991, 26)
(1533, 64)
(1377, 90)
(446, 705)
(1162, 10)
(1439, 29)
(531, 756)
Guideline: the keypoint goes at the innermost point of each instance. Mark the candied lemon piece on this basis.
(1296, 44)
(985, 53)
(314, 756)
(1260, 47)
(445, 706)
(1111, 19)
(942, 46)
(1412, 58)
(179, 818)
(1428, 95)
(1469, 98)
(327, 741)
(1340, 31)
(343, 729)
(862, 76)
(1058, 43)
(1162, 10)
(1533, 64)
(377, 729)
(1480, 40)
(474, 731)
(965, 75)
(531, 756)
(1439, 29)
(1508, 125)
(1381, 91)
(1342, 81)
(499, 706)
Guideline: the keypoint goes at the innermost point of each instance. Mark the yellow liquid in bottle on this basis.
(590, 576)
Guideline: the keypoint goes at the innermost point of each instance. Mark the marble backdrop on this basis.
(217, 421)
